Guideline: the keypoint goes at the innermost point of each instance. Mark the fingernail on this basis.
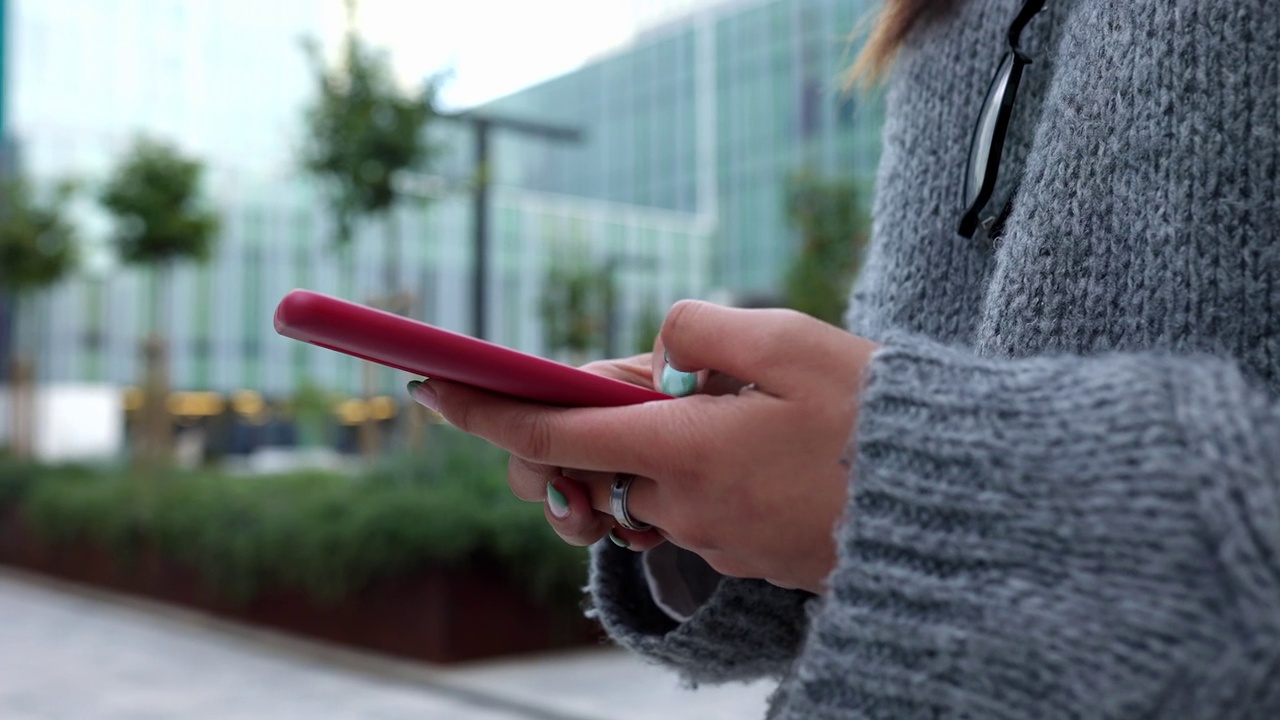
(558, 503)
(618, 541)
(424, 395)
(677, 383)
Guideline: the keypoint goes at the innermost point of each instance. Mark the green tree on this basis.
(360, 132)
(649, 325)
(161, 218)
(575, 307)
(833, 231)
(312, 410)
(37, 240)
(38, 246)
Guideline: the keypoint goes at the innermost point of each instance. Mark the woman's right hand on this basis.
(754, 481)
(566, 502)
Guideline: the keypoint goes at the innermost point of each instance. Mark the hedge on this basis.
(326, 533)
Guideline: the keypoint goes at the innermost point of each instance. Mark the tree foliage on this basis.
(37, 247)
(161, 217)
(37, 239)
(312, 409)
(648, 326)
(833, 231)
(361, 130)
(155, 196)
(575, 306)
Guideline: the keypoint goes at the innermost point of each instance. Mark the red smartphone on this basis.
(429, 351)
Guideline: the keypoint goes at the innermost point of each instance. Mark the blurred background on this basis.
(551, 176)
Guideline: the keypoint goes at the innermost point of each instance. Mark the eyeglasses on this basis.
(989, 133)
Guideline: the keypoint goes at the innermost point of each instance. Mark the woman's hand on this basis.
(754, 482)
(568, 505)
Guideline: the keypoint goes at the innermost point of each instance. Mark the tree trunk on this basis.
(8, 326)
(369, 440)
(22, 403)
(415, 417)
(391, 271)
(155, 430)
(22, 391)
(400, 302)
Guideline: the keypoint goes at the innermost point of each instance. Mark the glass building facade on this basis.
(709, 113)
(217, 317)
(688, 136)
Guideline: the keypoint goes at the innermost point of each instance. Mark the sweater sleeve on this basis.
(746, 629)
(1053, 537)
(1047, 537)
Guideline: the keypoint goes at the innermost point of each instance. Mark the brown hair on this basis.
(892, 24)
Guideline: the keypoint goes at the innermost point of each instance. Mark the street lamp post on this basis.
(482, 124)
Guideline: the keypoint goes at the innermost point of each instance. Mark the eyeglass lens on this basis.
(985, 130)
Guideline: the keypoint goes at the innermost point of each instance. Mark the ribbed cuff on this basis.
(680, 582)
(1025, 538)
(746, 630)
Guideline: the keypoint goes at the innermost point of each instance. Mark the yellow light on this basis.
(350, 412)
(381, 408)
(195, 404)
(247, 402)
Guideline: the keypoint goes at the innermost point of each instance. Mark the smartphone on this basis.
(416, 347)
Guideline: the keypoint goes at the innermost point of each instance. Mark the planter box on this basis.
(440, 614)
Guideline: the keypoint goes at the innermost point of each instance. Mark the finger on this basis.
(568, 510)
(635, 541)
(709, 382)
(529, 480)
(719, 383)
(633, 370)
(657, 361)
(646, 439)
(774, 349)
(642, 501)
(599, 489)
(571, 515)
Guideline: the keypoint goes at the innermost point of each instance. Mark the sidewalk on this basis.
(67, 653)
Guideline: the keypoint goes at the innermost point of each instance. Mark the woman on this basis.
(1040, 475)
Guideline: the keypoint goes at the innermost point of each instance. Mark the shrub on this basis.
(327, 534)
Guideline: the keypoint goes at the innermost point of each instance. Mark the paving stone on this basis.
(77, 656)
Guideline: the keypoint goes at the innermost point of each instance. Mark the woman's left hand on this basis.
(753, 482)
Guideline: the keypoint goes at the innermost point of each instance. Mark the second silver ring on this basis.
(618, 503)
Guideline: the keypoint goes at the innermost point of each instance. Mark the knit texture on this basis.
(1066, 501)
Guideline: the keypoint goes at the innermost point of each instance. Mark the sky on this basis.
(493, 47)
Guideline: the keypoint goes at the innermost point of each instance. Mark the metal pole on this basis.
(610, 309)
(480, 228)
(480, 197)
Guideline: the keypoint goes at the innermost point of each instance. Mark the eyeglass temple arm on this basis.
(1028, 11)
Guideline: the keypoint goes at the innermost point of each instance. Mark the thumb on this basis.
(774, 349)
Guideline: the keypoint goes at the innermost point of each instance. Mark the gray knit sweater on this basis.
(1066, 502)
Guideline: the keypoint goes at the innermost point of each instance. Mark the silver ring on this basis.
(618, 503)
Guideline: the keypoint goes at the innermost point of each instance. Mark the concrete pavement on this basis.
(70, 653)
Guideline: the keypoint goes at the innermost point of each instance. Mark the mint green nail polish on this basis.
(558, 503)
(413, 385)
(677, 383)
(618, 541)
